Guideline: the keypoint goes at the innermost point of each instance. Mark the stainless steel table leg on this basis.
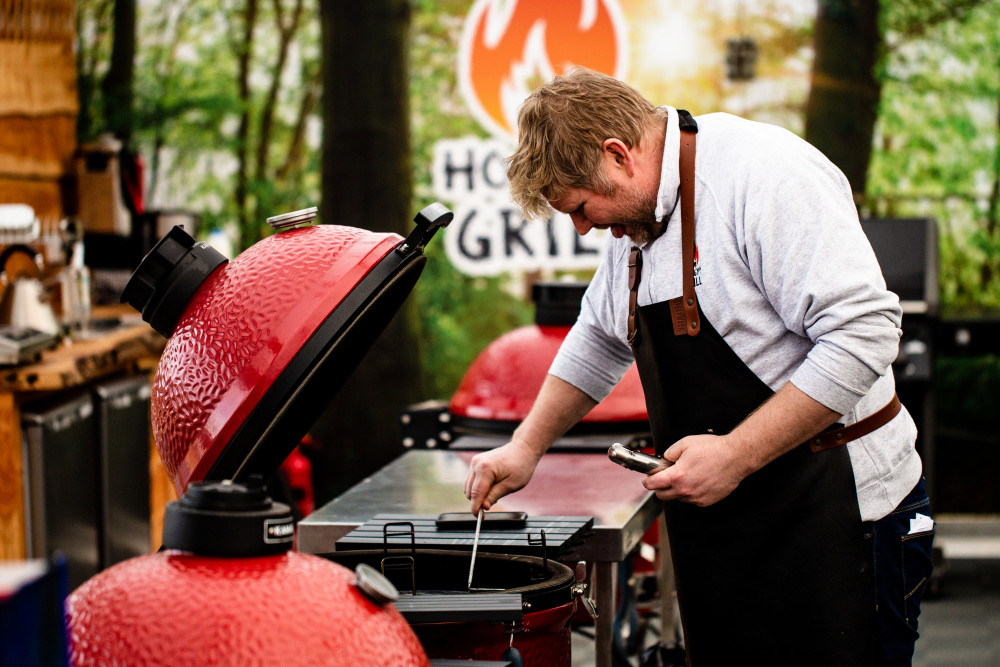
(604, 596)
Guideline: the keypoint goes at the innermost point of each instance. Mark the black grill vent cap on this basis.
(167, 278)
(557, 304)
(230, 519)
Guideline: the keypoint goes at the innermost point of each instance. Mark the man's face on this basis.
(622, 207)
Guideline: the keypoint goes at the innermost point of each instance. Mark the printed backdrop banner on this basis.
(508, 48)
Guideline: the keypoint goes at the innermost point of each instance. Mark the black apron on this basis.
(778, 572)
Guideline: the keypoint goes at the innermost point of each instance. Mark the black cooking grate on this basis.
(541, 536)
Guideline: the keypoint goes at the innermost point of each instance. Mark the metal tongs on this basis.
(475, 547)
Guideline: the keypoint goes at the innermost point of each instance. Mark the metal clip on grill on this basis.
(401, 563)
(537, 575)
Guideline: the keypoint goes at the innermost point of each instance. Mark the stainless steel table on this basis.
(431, 482)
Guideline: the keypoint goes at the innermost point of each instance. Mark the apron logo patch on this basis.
(697, 267)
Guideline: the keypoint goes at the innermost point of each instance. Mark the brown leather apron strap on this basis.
(690, 300)
(634, 273)
(841, 436)
(683, 309)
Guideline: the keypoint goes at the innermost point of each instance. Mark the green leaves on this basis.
(187, 106)
(936, 146)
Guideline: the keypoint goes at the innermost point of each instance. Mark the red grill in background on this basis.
(500, 386)
(295, 474)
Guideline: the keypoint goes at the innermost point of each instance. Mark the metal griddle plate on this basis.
(561, 534)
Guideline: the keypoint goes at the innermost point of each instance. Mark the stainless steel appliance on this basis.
(62, 483)
(123, 435)
(907, 251)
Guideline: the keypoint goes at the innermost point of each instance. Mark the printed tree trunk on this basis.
(117, 84)
(367, 183)
(844, 95)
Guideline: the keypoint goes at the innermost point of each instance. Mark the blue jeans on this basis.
(902, 566)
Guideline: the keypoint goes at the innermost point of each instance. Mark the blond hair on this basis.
(562, 127)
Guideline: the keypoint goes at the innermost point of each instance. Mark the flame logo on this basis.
(509, 47)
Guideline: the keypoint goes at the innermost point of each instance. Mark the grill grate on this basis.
(561, 533)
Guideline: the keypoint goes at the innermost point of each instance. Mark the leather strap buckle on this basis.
(843, 435)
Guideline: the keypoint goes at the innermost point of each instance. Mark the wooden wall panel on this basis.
(38, 102)
(37, 147)
(38, 20)
(45, 196)
(37, 78)
(12, 519)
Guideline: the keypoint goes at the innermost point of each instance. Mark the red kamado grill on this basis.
(257, 347)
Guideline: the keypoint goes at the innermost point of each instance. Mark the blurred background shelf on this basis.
(74, 445)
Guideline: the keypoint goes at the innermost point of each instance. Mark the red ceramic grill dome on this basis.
(260, 344)
(243, 328)
(229, 591)
(174, 608)
(502, 382)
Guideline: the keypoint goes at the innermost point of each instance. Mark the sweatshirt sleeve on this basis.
(809, 256)
(592, 358)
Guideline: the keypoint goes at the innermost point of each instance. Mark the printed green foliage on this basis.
(936, 151)
(937, 146)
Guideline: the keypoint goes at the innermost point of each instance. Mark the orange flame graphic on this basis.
(511, 46)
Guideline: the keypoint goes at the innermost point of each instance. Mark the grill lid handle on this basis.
(374, 585)
(430, 219)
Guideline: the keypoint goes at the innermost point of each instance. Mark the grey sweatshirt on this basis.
(784, 273)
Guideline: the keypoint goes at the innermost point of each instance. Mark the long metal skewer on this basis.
(475, 546)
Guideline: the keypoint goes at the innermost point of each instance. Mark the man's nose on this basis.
(581, 224)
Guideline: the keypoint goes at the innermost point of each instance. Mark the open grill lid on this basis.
(259, 345)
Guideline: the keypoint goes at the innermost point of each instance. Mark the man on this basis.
(739, 279)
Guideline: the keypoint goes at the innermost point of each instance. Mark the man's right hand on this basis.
(497, 472)
(494, 474)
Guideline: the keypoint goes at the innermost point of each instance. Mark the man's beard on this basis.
(637, 214)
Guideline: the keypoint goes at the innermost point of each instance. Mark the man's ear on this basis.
(616, 152)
